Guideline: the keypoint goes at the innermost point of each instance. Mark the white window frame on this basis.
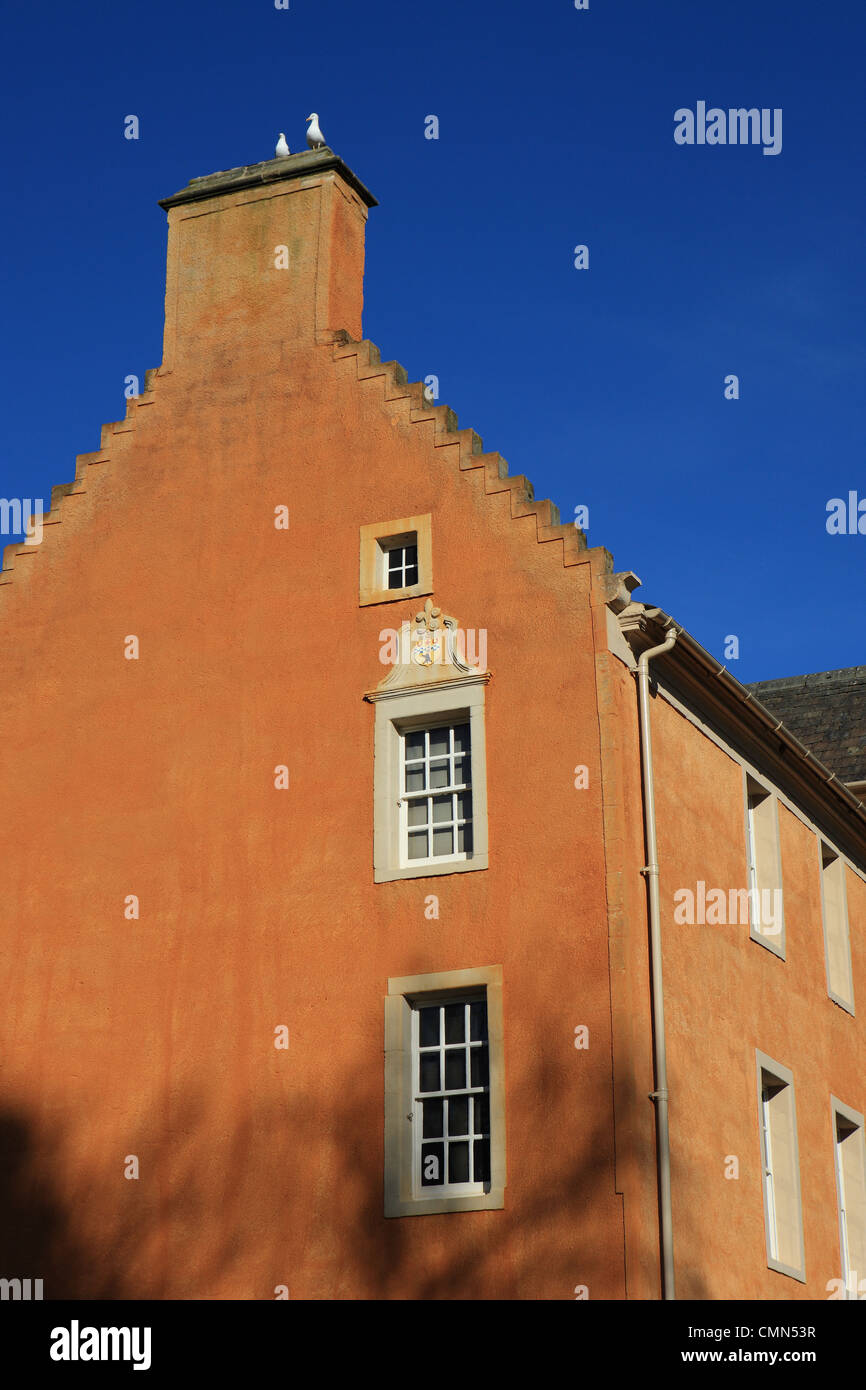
(771, 1074)
(404, 1193)
(387, 544)
(852, 1278)
(420, 1192)
(774, 942)
(457, 701)
(767, 1163)
(406, 798)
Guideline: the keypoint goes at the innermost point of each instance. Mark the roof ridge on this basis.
(839, 674)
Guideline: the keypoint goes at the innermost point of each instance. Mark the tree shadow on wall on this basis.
(287, 1195)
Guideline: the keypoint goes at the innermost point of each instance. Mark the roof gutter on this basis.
(640, 618)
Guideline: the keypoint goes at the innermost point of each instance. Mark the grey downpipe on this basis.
(651, 869)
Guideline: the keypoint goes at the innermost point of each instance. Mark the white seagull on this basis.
(315, 138)
(282, 148)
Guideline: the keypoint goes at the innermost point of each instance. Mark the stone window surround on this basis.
(840, 926)
(855, 1120)
(766, 1064)
(776, 944)
(373, 580)
(459, 699)
(402, 992)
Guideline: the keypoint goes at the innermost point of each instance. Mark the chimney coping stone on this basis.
(295, 166)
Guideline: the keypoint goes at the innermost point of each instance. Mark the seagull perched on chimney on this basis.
(282, 148)
(315, 138)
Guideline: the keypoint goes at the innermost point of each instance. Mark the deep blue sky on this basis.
(556, 128)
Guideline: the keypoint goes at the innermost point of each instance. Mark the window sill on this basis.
(846, 1004)
(788, 1270)
(776, 947)
(370, 596)
(448, 866)
(429, 1206)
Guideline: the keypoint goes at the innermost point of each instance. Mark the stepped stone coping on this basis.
(396, 385)
(447, 433)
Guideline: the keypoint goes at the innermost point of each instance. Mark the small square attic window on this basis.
(396, 559)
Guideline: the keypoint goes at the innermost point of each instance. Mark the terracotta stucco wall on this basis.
(155, 777)
(727, 995)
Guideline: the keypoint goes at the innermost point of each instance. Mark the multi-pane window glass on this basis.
(437, 796)
(401, 563)
(451, 1078)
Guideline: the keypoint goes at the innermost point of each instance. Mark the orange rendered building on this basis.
(330, 919)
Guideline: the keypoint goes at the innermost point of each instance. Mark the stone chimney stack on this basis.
(263, 261)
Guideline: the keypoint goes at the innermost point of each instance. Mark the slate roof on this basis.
(827, 712)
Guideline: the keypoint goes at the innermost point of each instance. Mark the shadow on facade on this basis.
(284, 1194)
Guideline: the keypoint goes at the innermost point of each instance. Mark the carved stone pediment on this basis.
(430, 649)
